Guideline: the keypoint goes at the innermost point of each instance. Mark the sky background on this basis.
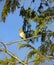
(9, 31)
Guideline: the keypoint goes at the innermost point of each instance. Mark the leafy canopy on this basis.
(42, 17)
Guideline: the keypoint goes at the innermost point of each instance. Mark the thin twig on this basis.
(3, 45)
(17, 41)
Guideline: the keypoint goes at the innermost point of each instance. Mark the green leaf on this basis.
(38, 59)
(32, 53)
(52, 48)
(51, 0)
(26, 45)
(45, 16)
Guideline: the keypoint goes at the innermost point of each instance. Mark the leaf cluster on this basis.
(47, 48)
(39, 59)
(28, 13)
(9, 6)
(7, 61)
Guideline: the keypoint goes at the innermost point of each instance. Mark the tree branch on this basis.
(12, 42)
(12, 55)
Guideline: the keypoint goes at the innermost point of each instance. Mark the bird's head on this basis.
(20, 30)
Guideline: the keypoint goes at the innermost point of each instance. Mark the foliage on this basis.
(51, 0)
(33, 53)
(9, 6)
(7, 61)
(39, 59)
(42, 18)
(26, 45)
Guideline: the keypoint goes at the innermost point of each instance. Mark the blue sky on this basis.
(9, 31)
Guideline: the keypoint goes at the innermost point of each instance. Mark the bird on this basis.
(22, 34)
